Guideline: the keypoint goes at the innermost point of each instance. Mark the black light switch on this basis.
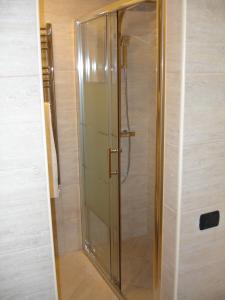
(209, 220)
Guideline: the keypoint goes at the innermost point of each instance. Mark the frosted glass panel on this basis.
(100, 134)
(95, 125)
(96, 106)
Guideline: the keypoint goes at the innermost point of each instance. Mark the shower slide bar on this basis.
(49, 82)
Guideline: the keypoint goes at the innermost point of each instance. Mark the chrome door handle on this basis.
(111, 173)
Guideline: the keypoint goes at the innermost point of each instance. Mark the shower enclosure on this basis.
(120, 65)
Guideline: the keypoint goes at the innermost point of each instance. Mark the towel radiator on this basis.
(49, 82)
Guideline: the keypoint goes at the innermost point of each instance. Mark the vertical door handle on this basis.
(111, 173)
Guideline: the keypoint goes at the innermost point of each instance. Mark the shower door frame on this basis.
(158, 211)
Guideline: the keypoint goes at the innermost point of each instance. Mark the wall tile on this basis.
(57, 11)
(25, 270)
(173, 108)
(204, 115)
(69, 167)
(204, 17)
(65, 90)
(67, 130)
(59, 239)
(205, 49)
(27, 266)
(22, 179)
(205, 283)
(203, 176)
(25, 93)
(167, 283)
(175, 26)
(24, 227)
(64, 50)
(170, 241)
(198, 59)
(72, 228)
(71, 201)
(16, 139)
(171, 177)
(201, 261)
(18, 39)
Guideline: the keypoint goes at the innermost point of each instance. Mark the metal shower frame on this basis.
(161, 38)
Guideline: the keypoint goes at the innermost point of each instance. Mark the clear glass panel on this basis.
(99, 95)
(138, 142)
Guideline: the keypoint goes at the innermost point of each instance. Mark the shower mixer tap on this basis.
(126, 133)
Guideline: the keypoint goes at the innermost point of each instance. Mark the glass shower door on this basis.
(99, 123)
(138, 77)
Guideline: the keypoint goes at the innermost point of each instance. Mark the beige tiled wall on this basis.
(62, 15)
(202, 255)
(194, 260)
(26, 254)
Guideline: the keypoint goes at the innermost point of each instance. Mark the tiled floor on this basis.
(137, 268)
(79, 280)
